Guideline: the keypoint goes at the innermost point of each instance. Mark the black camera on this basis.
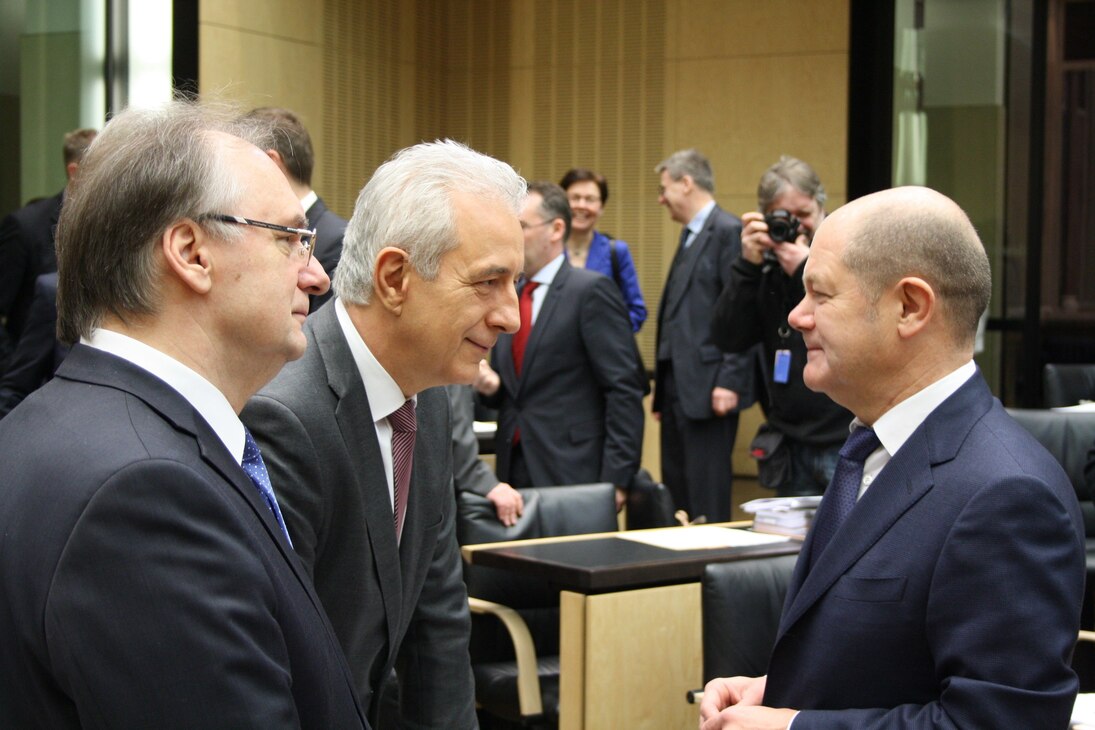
(782, 226)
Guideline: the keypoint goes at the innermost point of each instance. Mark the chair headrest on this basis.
(576, 509)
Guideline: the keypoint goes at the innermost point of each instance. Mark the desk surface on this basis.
(608, 562)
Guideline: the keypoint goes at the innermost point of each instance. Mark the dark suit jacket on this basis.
(26, 251)
(329, 229)
(951, 595)
(579, 400)
(143, 581)
(39, 352)
(698, 365)
(402, 606)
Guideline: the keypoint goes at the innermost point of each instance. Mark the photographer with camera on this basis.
(797, 449)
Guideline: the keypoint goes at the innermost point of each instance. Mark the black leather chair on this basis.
(515, 618)
(741, 603)
(1067, 385)
(1068, 436)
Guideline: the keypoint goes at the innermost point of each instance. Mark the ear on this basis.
(188, 256)
(70, 169)
(276, 157)
(687, 183)
(917, 301)
(558, 229)
(391, 276)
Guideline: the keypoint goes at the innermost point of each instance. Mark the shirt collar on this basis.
(547, 272)
(896, 425)
(308, 201)
(209, 402)
(696, 224)
(384, 394)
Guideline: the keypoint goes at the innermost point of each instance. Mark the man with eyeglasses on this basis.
(146, 576)
(358, 438)
(568, 394)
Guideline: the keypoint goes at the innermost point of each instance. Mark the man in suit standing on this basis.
(698, 390)
(358, 439)
(145, 574)
(292, 153)
(568, 392)
(941, 582)
(26, 248)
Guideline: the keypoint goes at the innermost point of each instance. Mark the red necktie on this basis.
(521, 338)
(403, 425)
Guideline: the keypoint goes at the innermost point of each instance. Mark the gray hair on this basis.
(148, 169)
(553, 203)
(408, 204)
(692, 163)
(924, 237)
(789, 172)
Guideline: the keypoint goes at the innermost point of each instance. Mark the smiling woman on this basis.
(587, 192)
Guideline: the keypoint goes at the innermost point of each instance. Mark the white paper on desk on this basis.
(1084, 406)
(1083, 714)
(484, 427)
(701, 537)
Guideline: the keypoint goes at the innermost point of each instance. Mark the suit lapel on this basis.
(687, 261)
(355, 422)
(900, 485)
(91, 365)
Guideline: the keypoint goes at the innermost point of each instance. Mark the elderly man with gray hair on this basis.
(358, 436)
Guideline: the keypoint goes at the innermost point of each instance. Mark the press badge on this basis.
(781, 369)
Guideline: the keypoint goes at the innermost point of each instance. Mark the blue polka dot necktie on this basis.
(256, 471)
(843, 491)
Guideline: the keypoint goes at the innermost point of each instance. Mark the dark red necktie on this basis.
(521, 338)
(404, 426)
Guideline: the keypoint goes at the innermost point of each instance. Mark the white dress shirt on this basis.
(385, 395)
(209, 402)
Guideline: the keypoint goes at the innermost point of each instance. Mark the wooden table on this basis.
(630, 622)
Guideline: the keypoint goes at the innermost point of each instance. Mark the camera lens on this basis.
(782, 226)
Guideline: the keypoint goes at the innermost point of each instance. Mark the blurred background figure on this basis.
(26, 248)
(587, 193)
(293, 154)
(568, 394)
(39, 352)
(698, 390)
(801, 440)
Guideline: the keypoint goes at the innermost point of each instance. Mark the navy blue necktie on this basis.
(843, 491)
(256, 470)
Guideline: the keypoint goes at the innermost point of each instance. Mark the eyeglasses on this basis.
(307, 238)
(530, 226)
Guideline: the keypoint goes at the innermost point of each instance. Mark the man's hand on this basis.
(755, 241)
(508, 503)
(749, 717)
(734, 703)
(487, 381)
(723, 401)
(754, 238)
(621, 498)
